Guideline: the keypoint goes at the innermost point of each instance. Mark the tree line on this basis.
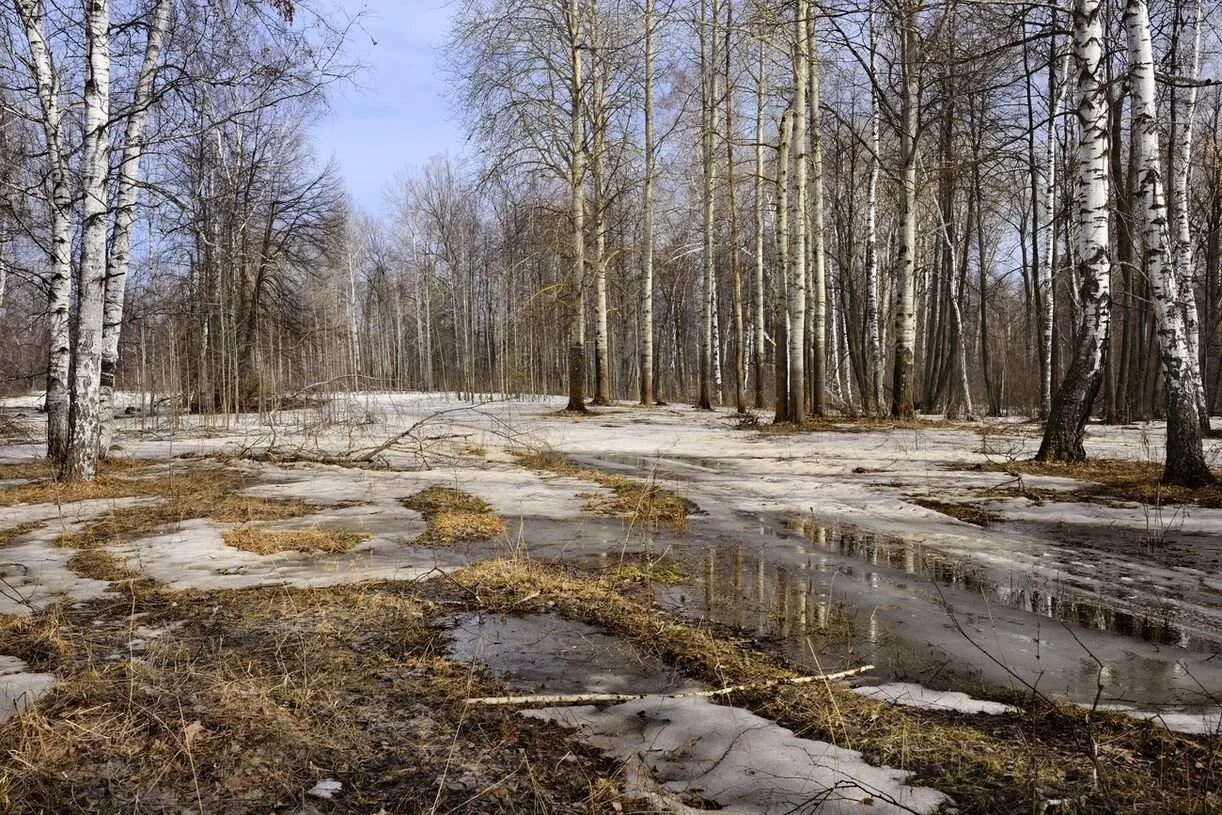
(880, 206)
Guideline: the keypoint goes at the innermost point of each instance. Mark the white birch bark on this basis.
(1185, 458)
(125, 217)
(577, 158)
(1184, 102)
(598, 86)
(646, 309)
(782, 278)
(1072, 405)
(903, 381)
(708, 67)
(874, 338)
(84, 430)
(60, 279)
(818, 272)
(760, 335)
(797, 274)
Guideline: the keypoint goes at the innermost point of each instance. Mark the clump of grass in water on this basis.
(263, 541)
(453, 515)
(631, 498)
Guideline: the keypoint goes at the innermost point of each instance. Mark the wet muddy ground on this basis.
(819, 556)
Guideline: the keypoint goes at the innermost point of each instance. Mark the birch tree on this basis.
(1185, 464)
(903, 382)
(647, 226)
(125, 216)
(797, 271)
(84, 422)
(1071, 408)
(59, 284)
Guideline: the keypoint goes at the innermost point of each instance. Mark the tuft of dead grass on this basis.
(632, 499)
(1112, 480)
(98, 564)
(453, 515)
(10, 533)
(263, 541)
(962, 512)
(978, 761)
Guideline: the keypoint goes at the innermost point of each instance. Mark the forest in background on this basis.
(953, 207)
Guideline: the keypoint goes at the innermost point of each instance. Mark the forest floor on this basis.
(293, 612)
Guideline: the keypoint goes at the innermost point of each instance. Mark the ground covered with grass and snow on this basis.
(291, 612)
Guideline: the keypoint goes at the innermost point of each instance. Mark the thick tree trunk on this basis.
(1072, 405)
(1183, 112)
(1185, 458)
(84, 422)
(125, 218)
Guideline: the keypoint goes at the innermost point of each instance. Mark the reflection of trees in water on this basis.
(743, 589)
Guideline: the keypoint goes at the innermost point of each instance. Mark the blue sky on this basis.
(397, 115)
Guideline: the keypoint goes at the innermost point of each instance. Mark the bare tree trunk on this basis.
(598, 81)
(60, 283)
(1183, 112)
(736, 279)
(797, 278)
(873, 397)
(646, 312)
(1047, 301)
(84, 418)
(1185, 458)
(903, 382)
(708, 70)
(1072, 405)
(577, 171)
(760, 345)
(818, 278)
(125, 217)
(782, 281)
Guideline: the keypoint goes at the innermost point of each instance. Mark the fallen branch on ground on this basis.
(556, 700)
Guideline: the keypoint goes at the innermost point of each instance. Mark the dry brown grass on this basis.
(263, 541)
(10, 533)
(632, 499)
(962, 512)
(1112, 480)
(197, 491)
(453, 515)
(245, 699)
(979, 761)
(98, 564)
(860, 424)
